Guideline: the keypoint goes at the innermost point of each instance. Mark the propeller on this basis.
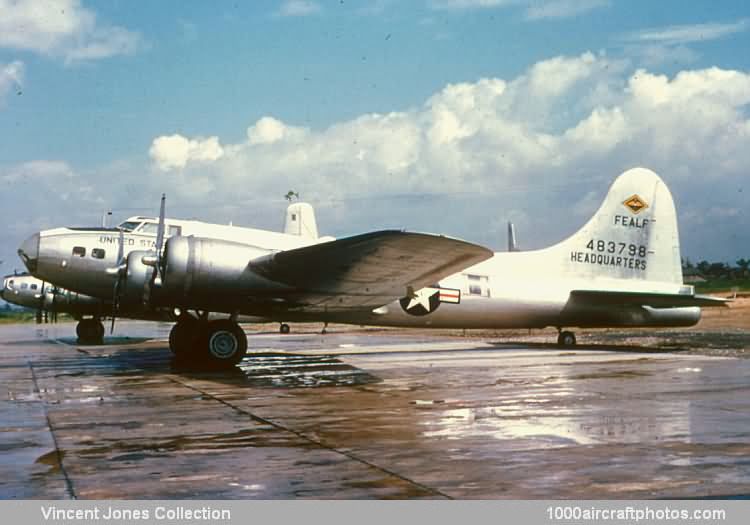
(40, 310)
(121, 271)
(155, 260)
(55, 291)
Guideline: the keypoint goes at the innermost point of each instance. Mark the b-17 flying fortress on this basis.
(622, 268)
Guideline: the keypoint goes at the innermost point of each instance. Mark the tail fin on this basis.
(632, 236)
(300, 220)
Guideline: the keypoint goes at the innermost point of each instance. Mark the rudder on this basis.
(632, 236)
(300, 220)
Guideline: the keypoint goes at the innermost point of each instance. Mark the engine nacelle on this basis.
(212, 274)
(137, 276)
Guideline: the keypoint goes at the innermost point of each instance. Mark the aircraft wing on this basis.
(655, 300)
(367, 271)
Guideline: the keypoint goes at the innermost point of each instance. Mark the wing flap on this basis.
(655, 300)
(367, 270)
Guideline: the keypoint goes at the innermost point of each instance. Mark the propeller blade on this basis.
(160, 229)
(156, 275)
(120, 247)
(120, 271)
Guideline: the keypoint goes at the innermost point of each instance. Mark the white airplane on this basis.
(621, 269)
(48, 300)
(91, 298)
(207, 268)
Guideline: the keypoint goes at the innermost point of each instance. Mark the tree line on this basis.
(717, 270)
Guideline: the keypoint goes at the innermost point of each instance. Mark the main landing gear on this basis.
(284, 328)
(566, 339)
(90, 331)
(207, 344)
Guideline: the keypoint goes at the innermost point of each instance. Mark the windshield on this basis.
(128, 226)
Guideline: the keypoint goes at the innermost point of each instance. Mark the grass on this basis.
(17, 316)
(25, 316)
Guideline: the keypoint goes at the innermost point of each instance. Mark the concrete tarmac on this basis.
(367, 414)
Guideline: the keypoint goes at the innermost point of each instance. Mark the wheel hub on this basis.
(223, 344)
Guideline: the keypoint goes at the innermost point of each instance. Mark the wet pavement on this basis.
(367, 414)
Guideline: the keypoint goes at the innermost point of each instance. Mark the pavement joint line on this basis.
(58, 454)
(316, 442)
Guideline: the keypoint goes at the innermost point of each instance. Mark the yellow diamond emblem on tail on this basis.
(635, 204)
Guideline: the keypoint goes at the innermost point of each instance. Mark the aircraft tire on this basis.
(284, 328)
(181, 337)
(566, 339)
(223, 343)
(98, 329)
(90, 331)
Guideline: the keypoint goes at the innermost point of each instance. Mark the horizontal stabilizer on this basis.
(654, 300)
(367, 270)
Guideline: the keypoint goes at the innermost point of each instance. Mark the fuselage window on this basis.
(24, 286)
(98, 253)
(79, 251)
(33, 286)
(478, 285)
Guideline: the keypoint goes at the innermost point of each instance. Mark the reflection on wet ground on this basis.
(368, 415)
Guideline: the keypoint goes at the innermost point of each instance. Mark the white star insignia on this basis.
(422, 297)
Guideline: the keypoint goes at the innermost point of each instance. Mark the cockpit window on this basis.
(149, 228)
(98, 253)
(128, 226)
(79, 251)
(174, 230)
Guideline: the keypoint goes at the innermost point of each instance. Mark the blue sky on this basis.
(378, 112)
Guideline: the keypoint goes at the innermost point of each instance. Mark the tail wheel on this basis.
(566, 339)
(225, 343)
(284, 328)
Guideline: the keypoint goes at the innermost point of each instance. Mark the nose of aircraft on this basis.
(29, 252)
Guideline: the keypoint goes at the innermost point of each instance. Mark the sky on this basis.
(446, 116)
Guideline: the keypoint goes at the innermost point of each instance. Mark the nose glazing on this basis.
(29, 252)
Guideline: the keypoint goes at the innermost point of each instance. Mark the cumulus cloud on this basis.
(269, 130)
(175, 151)
(566, 125)
(11, 78)
(62, 28)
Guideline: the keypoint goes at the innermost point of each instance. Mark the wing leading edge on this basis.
(369, 270)
(655, 300)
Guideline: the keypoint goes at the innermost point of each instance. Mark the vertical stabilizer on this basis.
(300, 220)
(632, 236)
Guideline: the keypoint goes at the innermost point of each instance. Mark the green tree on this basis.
(743, 265)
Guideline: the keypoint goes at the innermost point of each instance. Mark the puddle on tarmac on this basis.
(138, 449)
(293, 371)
